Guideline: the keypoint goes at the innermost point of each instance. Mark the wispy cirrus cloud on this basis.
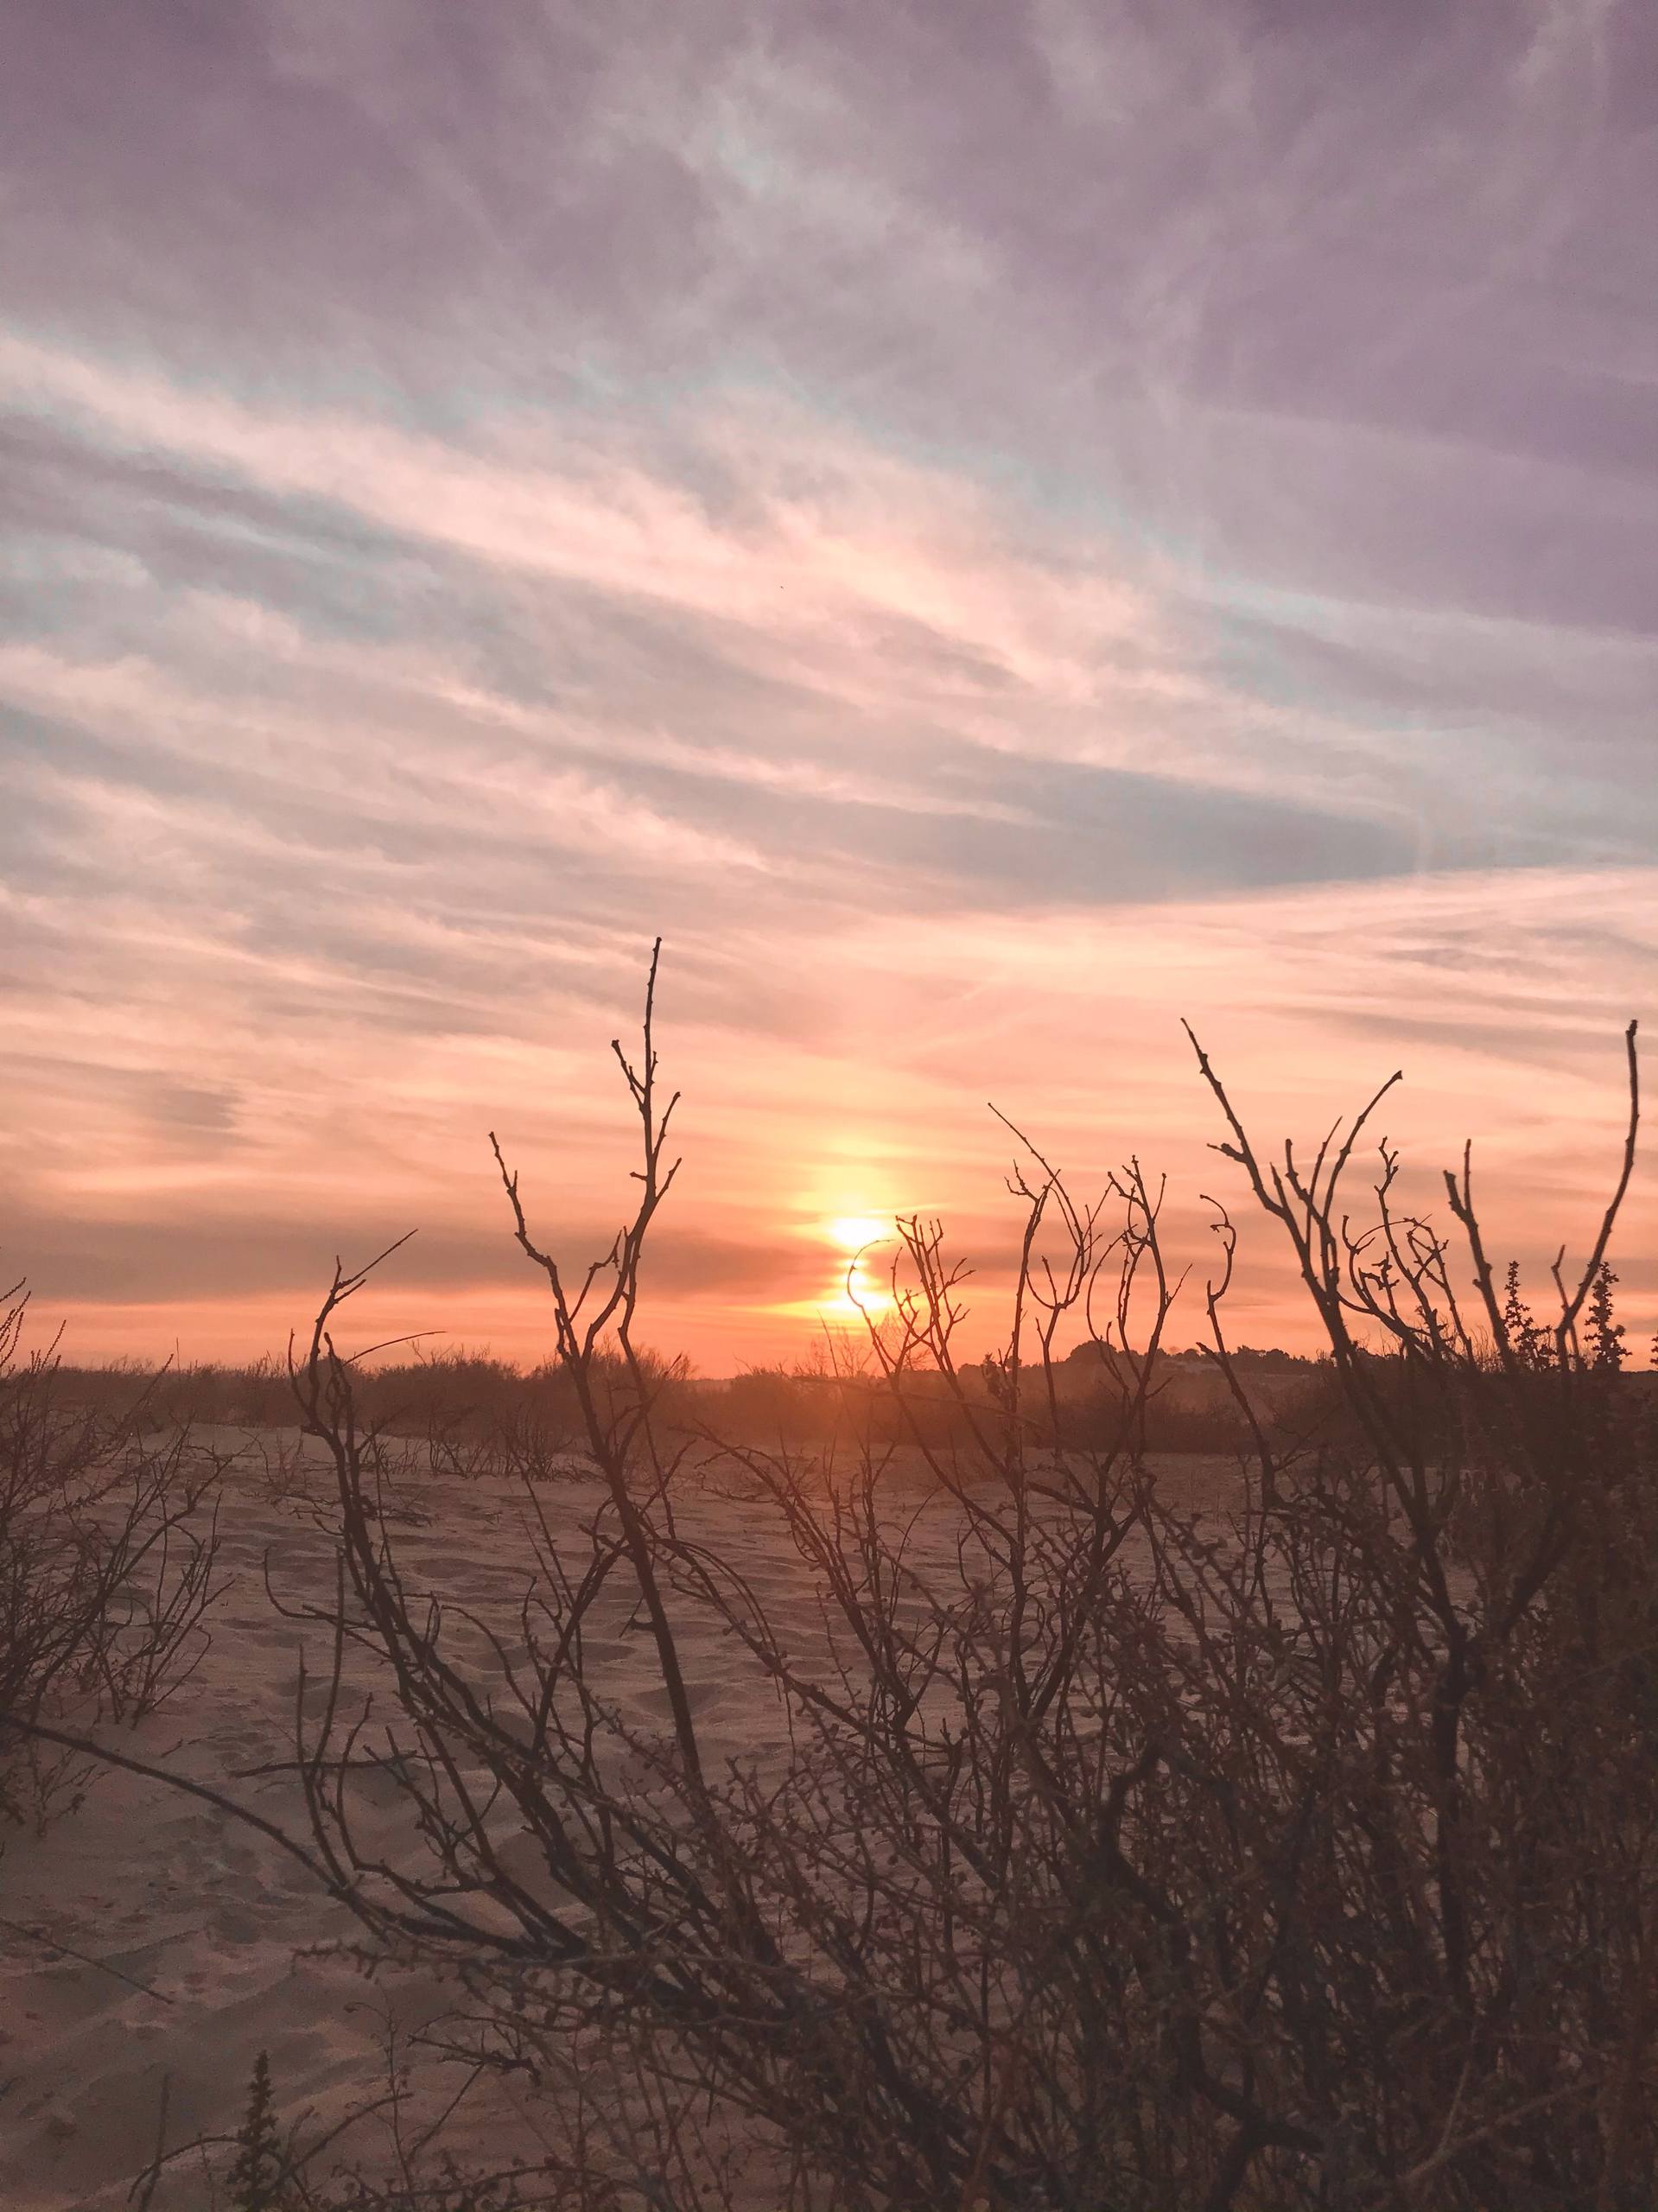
(988, 536)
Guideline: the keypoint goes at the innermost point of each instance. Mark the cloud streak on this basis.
(988, 537)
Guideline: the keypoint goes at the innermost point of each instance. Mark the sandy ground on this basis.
(197, 1938)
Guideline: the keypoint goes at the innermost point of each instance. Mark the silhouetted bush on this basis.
(108, 1549)
(1307, 1861)
(1304, 1858)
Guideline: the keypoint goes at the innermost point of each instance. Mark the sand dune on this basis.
(208, 1939)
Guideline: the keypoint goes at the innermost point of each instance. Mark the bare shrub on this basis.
(1307, 1859)
(199, 1393)
(1106, 1855)
(108, 1551)
(468, 1413)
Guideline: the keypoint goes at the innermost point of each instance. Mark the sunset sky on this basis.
(990, 525)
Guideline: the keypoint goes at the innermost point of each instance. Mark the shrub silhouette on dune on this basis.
(1307, 1860)
(1301, 1858)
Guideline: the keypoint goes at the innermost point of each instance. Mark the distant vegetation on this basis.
(477, 1412)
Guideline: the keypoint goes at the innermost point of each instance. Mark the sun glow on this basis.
(856, 1289)
(852, 1231)
(855, 1297)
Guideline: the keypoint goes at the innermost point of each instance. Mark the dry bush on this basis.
(463, 1414)
(1307, 1861)
(202, 1394)
(1122, 1859)
(479, 1416)
(108, 1550)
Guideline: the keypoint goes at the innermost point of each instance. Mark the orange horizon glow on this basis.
(723, 1284)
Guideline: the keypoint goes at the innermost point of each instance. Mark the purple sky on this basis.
(989, 526)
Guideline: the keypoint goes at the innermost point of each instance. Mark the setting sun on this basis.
(855, 1295)
(855, 1288)
(852, 1231)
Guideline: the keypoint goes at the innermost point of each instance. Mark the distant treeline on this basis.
(470, 1404)
(477, 1413)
